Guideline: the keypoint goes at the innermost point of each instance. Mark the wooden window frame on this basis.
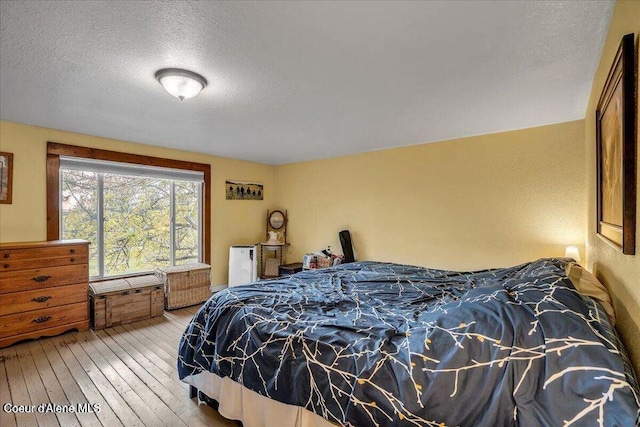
(55, 150)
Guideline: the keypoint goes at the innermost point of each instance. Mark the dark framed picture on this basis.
(616, 136)
(241, 190)
(6, 177)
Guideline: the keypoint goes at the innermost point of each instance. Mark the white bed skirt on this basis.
(254, 410)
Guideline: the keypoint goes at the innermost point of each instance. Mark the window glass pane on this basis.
(136, 224)
(187, 222)
(79, 206)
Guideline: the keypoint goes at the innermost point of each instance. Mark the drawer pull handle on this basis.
(72, 259)
(126, 292)
(41, 279)
(73, 251)
(42, 319)
(41, 299)
(6, 255)
(137, 291)
(6, 266)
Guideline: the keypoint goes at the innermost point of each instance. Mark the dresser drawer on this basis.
(19, 302)
(15, 254)
(15, 324)
(24, 264)
(26, 280)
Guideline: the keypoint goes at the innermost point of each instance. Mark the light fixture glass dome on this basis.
(183, 84)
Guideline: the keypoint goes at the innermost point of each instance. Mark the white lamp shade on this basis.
(572, 252)
(182, 84)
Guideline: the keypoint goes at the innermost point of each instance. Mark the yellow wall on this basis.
(620, 273)
(471, 203)
(233, 222)
(463, 204)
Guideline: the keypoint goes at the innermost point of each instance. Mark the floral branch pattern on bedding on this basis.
(384, 344)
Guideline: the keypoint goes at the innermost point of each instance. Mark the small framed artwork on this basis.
(6, 177)
(240, 190)
(616, 136)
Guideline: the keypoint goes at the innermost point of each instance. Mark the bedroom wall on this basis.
(470, 203)
(232, 222)
(620, 273)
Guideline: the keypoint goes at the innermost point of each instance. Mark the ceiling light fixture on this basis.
(183, 84)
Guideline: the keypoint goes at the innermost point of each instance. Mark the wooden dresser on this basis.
(44, 289)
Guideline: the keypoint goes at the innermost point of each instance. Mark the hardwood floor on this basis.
(129, 371)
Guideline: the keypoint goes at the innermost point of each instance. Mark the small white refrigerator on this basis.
(243, 264)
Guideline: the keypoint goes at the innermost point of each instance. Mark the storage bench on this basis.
(114, 302)
(186, 285)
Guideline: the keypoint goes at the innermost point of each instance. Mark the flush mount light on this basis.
(183, 84)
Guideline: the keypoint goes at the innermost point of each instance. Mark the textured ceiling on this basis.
(292, 81)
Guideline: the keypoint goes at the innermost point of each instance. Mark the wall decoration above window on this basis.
(616, 136)
(6, 177)
(239, 190)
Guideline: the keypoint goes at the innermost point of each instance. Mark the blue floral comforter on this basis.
(373, 343)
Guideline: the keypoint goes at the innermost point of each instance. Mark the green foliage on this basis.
(137, 220)
(80, 211)
(186, 222)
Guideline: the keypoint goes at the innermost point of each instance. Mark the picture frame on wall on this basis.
(616, 151)
(6, 177)
(242, 190)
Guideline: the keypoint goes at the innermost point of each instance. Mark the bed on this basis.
(372, 343)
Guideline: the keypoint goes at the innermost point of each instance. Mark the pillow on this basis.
(587, 284)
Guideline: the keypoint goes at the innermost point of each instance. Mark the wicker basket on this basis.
(271, 267)
(186, 285)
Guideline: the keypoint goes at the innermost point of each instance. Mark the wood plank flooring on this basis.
(129, 371)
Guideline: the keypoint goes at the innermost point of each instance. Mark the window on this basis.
(137, 218)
